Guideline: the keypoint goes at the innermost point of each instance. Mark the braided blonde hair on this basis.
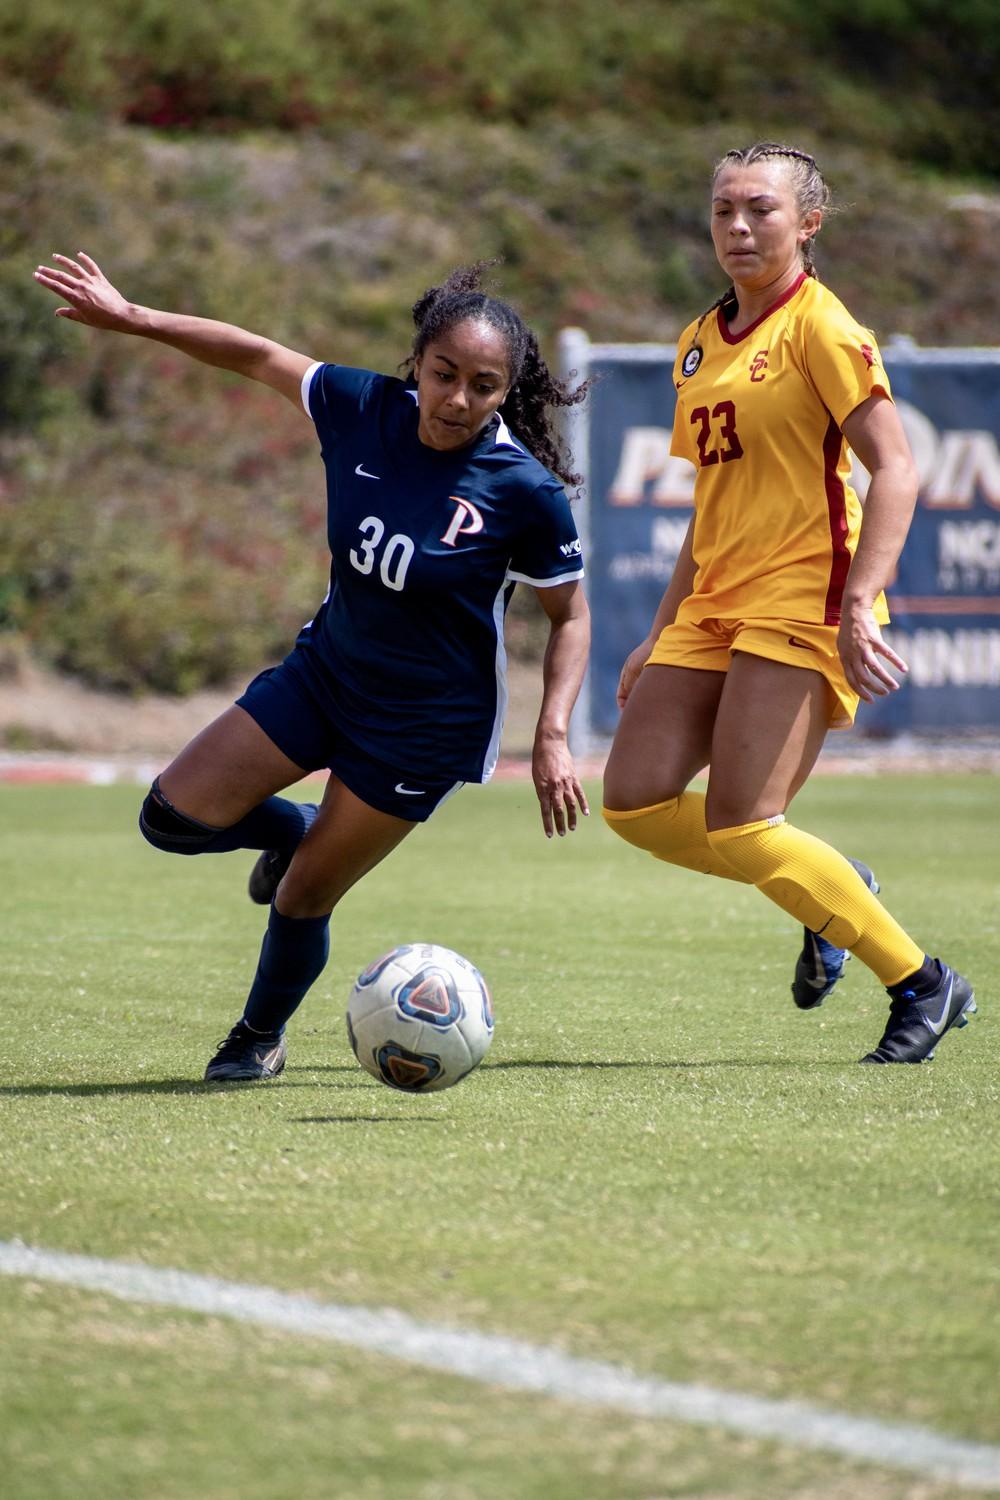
(811, 192)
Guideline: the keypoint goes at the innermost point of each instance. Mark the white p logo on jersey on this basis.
(465, 522)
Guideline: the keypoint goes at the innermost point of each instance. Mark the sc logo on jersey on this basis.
(758, 366)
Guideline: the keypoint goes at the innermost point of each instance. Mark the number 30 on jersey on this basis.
(393, 558)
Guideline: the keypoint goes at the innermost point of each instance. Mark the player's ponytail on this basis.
(534, 390)
(694, 351)
(526, 408)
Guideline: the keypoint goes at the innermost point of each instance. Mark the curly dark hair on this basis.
(533, 387)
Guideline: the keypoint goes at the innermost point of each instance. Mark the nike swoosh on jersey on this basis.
(939, 1025)
(409, 791)
(365, 474)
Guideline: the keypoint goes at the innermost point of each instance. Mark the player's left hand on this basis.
(91, 297)
(864, 655)
(559, 792)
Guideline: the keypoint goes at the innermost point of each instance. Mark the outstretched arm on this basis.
(90, 298)
(876, 435)
(556, 783)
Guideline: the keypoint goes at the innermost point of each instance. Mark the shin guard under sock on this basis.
(292, 956)
(822, 890)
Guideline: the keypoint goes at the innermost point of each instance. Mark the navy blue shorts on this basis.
(279, 700)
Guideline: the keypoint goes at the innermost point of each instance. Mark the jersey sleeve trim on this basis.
(504, 437)
(545, 583)
(880, 388)
(307, 383)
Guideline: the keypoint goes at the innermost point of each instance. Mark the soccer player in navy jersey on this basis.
(441, 497)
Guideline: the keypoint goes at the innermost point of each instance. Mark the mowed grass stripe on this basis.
(517, 1365)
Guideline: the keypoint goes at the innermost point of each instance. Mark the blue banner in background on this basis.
(945, 601)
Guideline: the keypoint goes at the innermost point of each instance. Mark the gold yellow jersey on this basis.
(759, 414)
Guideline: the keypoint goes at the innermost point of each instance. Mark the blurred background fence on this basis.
(306, 170)
(945, 599)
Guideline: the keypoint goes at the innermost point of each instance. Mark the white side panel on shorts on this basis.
(493, 749)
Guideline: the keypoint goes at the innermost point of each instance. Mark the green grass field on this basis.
(660, 1164)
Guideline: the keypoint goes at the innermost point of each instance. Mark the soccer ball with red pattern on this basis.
(420, 1018)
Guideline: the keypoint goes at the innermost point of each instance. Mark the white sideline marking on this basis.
(520, 1366)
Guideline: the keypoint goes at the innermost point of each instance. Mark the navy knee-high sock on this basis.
(292, 955)
(276, 823)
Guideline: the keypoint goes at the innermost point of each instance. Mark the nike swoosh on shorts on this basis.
(365, 474)
(409, 791)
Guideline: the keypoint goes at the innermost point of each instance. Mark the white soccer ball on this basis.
(420, 1018)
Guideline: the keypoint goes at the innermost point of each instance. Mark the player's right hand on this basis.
(864, 654)
(91, 297)
(634, 663)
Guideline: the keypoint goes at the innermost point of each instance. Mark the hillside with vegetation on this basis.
(307, 170)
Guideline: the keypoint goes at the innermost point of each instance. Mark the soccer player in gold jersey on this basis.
(769, 631)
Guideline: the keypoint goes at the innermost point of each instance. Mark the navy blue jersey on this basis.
(426, 549)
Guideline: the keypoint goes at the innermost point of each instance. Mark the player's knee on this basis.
(310, 887)
(623, 789)
(619, 822)
(167, 828)
(644, 827)
(302, 898)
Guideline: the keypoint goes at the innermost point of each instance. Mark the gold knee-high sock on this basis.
(822, 890)
(674, 831)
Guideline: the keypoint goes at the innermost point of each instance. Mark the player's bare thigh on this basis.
(664, 737)
(771, 722)
(227, 769)
(347, 839)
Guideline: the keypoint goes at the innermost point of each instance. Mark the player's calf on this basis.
(821, 964)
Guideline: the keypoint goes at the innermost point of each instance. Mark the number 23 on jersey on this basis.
(716, 435)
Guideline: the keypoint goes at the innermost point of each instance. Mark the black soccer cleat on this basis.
(269, 871)
(820, 964)
(267, 874)
(247, 1056)
(916, 1026)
